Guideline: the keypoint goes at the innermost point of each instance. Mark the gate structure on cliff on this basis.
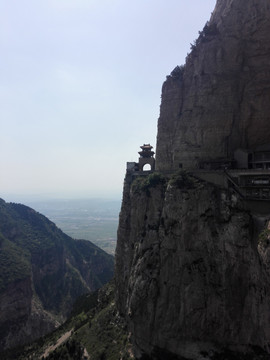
(146, 158)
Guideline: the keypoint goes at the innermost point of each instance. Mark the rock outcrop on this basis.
(192, 262)
(190, 280)
(220, 99)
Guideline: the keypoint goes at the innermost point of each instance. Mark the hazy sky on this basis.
(80, 89)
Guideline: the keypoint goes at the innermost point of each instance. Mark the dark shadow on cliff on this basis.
(255, 354)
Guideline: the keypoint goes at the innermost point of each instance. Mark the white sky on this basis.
(80, 89)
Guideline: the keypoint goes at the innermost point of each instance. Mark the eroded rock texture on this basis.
(22, 316)
(220, 100)
(190, 280)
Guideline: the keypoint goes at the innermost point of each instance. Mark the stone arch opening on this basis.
(146, 158)
(147, 167)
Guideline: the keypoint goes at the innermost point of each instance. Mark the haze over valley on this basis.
(90, 219)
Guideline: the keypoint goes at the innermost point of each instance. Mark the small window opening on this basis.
(147, 167)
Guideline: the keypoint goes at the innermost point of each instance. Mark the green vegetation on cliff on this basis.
(94, 330)
(144, 183)
(179, 179)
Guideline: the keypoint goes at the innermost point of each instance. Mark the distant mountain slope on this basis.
(42, 272)
(93, 331)
(90, 219)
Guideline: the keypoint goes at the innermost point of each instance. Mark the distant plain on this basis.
(90, 219)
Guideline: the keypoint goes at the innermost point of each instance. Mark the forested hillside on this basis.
(42, 272)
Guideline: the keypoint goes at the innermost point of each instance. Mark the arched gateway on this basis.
(146, 157)
(146, 161)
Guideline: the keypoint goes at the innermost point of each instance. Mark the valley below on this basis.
(43, 272)
(95, 220)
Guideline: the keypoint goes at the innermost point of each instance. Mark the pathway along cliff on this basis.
(192, 257)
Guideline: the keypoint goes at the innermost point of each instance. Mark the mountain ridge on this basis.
(43, 271)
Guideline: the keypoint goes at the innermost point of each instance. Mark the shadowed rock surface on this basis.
(192, 270)
(189, 276)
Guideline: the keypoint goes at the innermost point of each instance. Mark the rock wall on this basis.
(22, 317)
(23, 313)
(190, 279)
(220, 100)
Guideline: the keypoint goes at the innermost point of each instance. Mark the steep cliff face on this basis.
(22, 316)
(190, 279)
(220, 100)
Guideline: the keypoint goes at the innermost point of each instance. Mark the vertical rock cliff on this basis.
(192, 262)
(220, 99)
(190, 279)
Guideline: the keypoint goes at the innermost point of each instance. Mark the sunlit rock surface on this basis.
(220, 100)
